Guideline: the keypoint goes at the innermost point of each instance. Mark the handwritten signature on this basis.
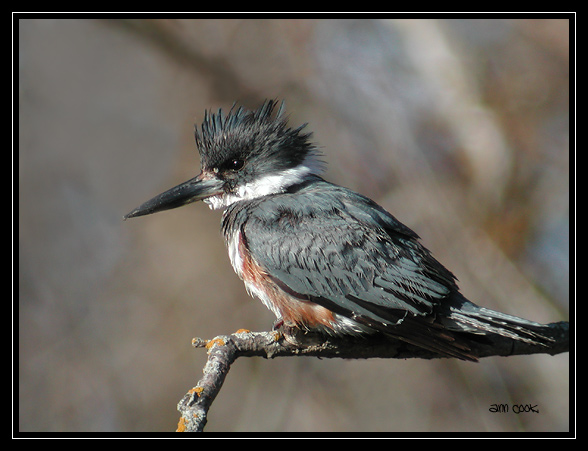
(515, 408)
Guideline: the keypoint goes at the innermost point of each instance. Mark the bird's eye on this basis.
(236, 164)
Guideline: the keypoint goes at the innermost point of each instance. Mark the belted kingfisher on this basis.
(322, 257)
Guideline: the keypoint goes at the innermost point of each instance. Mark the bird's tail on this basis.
(465, 316)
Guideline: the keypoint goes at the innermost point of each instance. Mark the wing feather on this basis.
(335, 244)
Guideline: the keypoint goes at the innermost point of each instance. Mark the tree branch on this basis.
(225, 349)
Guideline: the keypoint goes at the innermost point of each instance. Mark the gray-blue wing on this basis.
(341, 250)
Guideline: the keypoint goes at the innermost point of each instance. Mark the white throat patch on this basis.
(270, 184)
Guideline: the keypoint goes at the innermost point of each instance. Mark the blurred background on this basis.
(460, 128)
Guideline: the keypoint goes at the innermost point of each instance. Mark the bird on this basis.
(320, 256)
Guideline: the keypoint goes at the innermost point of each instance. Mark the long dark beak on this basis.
(193, 190)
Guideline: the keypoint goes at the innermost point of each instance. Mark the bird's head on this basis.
(244, 155)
